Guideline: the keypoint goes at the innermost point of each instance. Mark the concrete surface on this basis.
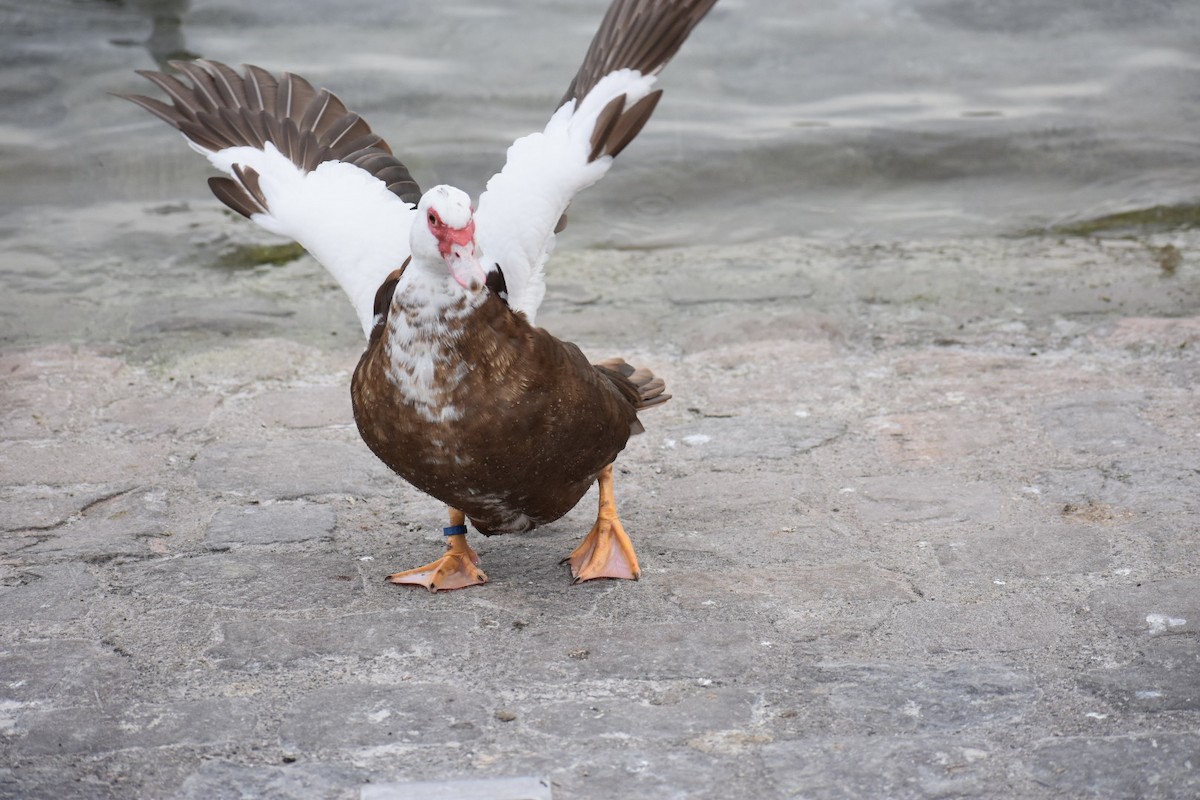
(921, 521)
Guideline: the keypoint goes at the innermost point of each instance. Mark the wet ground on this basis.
(920, 520)
(865, 121)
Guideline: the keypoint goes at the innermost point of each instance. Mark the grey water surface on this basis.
(863, 120)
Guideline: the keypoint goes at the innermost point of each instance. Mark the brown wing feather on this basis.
(260, 88)
(642, 35)
(630, 123)
(605, 123)
(249, 179)
(228, 83)
(636, 34)
(234, 195)
(383, 300)
(221, 109)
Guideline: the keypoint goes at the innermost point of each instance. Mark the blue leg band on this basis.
(454, 530)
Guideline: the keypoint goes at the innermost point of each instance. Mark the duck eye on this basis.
(432, 218)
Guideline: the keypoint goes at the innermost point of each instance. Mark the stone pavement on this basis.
(921, 521)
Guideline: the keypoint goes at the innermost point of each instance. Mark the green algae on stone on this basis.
(248, 256)
(1139, 220)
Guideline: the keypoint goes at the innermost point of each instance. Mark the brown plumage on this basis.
(543, 421)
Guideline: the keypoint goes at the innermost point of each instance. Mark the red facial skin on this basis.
(457, 246)
(449, 237)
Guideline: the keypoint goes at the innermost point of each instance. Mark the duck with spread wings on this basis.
(458, 391)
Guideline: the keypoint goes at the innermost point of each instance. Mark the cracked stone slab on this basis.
(1136, 767)
(93, 729)
(1101, 424)
(521, 788)
(653, 651)
(734, 496)
(1129, 482)
(743, 282)
(304, 407)
(802, 333)
(925, 500)
(703, 767)
(244, 315)
(120, 525)
(937, 436)
(172, 415)
(1153, 608)
(363, 716)
(244, 579)
(290, 469)
(48, 593)
(37, 780)
(827, 600)
(997, 627)
(882, 766)
(1165, 678)
(61, 673)
(892, 698)
(273, 523)
(258, 641)
(48, 389)
(1027, 551)
(44, 507)
(751, 436)
(290, 782)
(61, 463)
(692, 712)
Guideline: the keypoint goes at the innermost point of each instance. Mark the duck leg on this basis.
(606, 551)
(458, 568)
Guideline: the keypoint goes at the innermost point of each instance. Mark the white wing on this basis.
(524, 202)
(608, 102)
(341, 214)
(301, 166)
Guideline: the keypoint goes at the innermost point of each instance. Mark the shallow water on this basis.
(864, 120)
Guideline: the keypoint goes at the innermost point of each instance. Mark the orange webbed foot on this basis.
(457, 569)
(606, 552)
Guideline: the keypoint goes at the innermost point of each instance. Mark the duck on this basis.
(458, 390)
